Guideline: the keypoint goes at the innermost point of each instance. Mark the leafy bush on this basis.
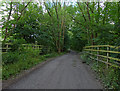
(15, 62)
(24, 61)
(44, 50)
(51, 55)
(17, 44)
(10, 57)
(32, 52)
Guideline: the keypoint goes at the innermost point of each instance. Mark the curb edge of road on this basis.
(12, 80)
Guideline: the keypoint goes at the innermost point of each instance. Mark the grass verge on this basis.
(15, 62)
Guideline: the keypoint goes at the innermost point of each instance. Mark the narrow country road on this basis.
(65, 72)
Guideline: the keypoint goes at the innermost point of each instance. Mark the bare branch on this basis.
(23, 10)
(81, 11)
(89, 7)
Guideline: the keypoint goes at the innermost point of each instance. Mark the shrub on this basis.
(10, 57)
(16, 61)
(32, 52)
(17, 44)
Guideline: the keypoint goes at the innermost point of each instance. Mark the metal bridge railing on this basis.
(7, 46)
(104, 54)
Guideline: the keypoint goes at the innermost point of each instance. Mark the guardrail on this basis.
(34, 46)
(7, 46)
(96, 52)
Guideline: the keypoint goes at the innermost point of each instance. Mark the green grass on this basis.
(25, 60)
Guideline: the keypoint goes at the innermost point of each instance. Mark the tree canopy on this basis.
(61, 25)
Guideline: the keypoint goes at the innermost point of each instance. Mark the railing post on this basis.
(6, 47)
(97, 55)
(107, 56)
(38, 47)
(28, 46)
(35, 45)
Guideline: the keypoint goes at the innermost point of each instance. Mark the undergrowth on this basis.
(17, 61)
(109, 76)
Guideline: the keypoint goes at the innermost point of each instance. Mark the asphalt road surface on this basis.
(64, 72)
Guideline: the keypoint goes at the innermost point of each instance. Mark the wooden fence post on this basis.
(107, 56)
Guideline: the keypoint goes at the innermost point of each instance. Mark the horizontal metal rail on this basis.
(102, 51)
(26, 46)
(116, 47)
(106, 62)
(116, 61)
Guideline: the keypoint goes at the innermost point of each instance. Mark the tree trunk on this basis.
(56, 10)
(53, 34)
(119, 12)
(88, 12)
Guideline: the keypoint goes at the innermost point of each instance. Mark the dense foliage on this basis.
(16, 62)
(49, 23)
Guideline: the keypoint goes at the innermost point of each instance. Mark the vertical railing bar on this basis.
(97, 55)
(107, 56)
(6, 47)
